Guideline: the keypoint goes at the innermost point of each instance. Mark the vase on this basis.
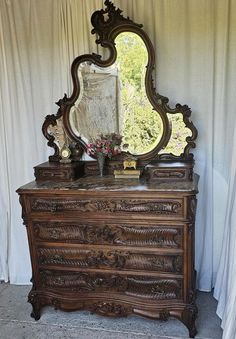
(101, 161)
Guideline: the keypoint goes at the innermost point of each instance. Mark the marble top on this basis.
(109, 183)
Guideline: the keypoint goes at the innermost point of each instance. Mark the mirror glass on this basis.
(96, 109)
(113, 99)
(179, 134)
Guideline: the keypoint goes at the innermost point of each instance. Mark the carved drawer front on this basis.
(162, 236)
(161, 208)
(131, 285)
(110, 259)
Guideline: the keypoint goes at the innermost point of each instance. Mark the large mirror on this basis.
(114, 99)
(117, 94)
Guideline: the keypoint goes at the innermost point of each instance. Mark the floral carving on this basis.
(110, 206)
(145, 287)
(110, 259)
(110, 309)
(162, 236)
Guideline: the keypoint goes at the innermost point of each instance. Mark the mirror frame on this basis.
(108, 23)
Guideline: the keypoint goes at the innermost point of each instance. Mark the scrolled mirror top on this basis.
(116, 94)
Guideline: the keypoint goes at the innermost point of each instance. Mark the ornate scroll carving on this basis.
(110, 309)
(110, 206)
(161, 236)
(102, 26)
(82, 258)
(145, 287)
(110, 259)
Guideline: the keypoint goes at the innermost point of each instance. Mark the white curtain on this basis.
(196, 63)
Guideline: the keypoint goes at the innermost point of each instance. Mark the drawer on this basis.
(110, 259)
(135, 208)
(156, 234)
(146, 287)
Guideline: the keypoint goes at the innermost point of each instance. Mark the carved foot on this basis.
(35, 314)
(189, 316)
(33, 299)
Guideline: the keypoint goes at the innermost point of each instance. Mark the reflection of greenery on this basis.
(179, 133)
(142, 127)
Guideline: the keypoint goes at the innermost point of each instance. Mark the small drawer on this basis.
(157, 235)
(146, 287)
(135, 208)
(77, 257)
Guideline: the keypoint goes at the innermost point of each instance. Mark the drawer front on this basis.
(163, 207)
(158, 235)
(132, 285)
(110, 259)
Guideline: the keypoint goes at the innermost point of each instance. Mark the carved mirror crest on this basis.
(116, 94)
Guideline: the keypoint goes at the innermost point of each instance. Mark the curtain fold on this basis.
(195, 64)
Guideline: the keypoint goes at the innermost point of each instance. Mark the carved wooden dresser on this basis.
(114, 246)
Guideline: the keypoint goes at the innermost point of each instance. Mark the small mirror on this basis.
(179, 133)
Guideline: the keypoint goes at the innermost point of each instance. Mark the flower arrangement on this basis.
(107, 145)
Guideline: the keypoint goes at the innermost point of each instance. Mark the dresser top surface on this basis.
(109, 183)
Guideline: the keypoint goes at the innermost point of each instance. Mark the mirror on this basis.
(116, 93)
(179, 133)
(114, 99)
(96, 109)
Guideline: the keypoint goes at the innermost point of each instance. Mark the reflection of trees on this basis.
(142, 127)
(178, 135)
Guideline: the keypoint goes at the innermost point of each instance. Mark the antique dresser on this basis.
(115, 245)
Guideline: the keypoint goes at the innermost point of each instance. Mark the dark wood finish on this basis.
(176, 171)
(56, 171)
(113, 247)
(107, 25)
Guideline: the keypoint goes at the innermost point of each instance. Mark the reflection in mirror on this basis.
(142, 126)
(179, 134)
(113, 99)
(95, 111)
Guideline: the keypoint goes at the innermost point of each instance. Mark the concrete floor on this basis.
(16, 323)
